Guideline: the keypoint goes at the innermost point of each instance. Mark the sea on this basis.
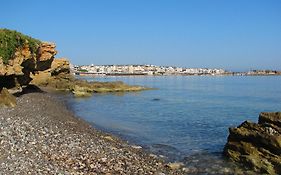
(185, 118)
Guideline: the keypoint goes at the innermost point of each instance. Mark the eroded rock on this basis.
(33, 62)
(46, 53)
(58, 66)
(23, 63)
(257, 145)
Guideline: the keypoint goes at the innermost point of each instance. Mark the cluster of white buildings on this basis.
(144, 70)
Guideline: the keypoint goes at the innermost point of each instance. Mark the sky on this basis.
(229, 34)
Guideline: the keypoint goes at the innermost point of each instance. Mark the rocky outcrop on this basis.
(46, 53)
(257, 145)
(17, 72)
(84, 88)
(24, 61)
(57, 68)
(59, 77)
(81, 88)
(60, 66)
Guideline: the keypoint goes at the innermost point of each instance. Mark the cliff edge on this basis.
(20, 57)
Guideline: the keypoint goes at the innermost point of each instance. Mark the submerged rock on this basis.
(58, 76)
(80, 91)
(257, 145)
(7, 99)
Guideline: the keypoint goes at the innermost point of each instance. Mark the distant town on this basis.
(123, 70)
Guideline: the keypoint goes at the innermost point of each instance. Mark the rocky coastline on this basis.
(39, 135)
(33, 62)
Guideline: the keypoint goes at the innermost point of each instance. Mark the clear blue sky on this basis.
(232, 34)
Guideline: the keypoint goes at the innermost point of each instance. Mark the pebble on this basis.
(175, 165)
(136, 147)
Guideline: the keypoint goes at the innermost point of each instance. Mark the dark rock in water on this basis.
(58, 77)
(156, 99)
(257, 146)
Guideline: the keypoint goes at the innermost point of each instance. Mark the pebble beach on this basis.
(42, 136)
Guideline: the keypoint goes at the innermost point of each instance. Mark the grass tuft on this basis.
(11, 40)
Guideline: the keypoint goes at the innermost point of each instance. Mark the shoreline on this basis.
(41, 135)
(200, 75)
(195, 164)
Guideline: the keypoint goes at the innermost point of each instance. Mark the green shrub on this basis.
(10, 40)
(82, 70)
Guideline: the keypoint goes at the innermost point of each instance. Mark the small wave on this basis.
(168, 152)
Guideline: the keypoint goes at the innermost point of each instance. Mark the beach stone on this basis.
(109, 138)
(161, 173)
(136, 147)
(175, 165)
(7, 99)
(257, 145)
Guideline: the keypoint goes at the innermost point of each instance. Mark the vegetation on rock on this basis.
(82, 70)
(11, 40)
(18, 53)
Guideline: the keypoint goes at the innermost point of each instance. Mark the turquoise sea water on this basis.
(187, 117)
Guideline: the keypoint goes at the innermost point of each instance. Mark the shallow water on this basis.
(186, 117)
